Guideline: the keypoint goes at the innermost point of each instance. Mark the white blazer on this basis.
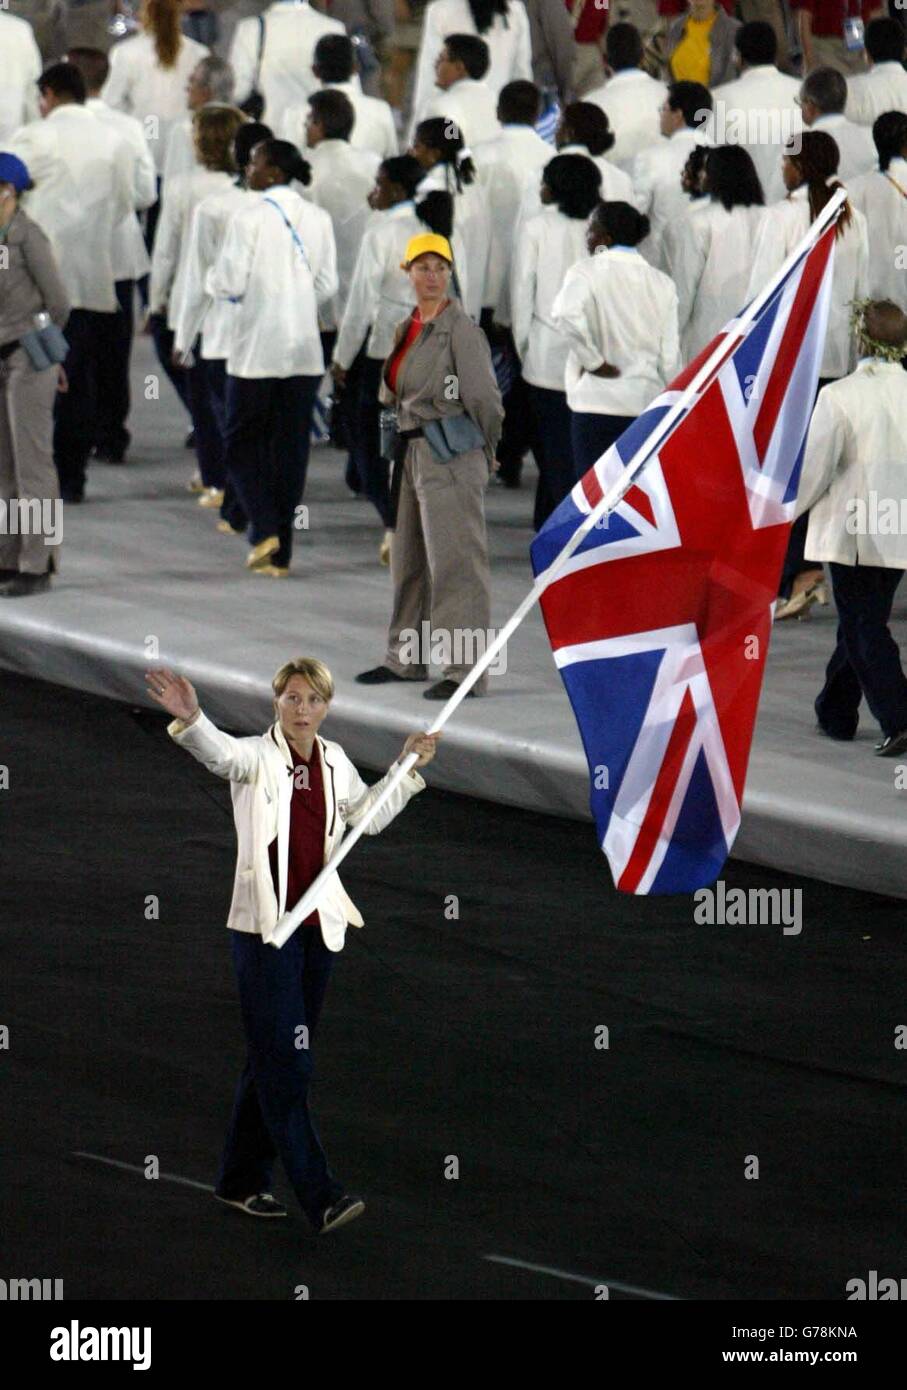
(509, 47)
(292, 29)
(855, 145)
(657, 190)
(509, 167)
(83, 173)
(759, 111)
(631, 100)
(882, 198)
(882, 88)
(171, 240)
(471, 106)
(197, 312)
(156, 96)
(342, 179)
(21, 69)
(547, 246)
(381, 293)
(615, 187)
(130, 256)
(615, 307)
(260, 771)
(783, 226)
(709, 261)
(278, 275)
(857, 447)
(374, 129)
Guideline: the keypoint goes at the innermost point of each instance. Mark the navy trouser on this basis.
(372, 471)
(111, 433)
(76, 410)
(163, 339)
(280, 992)
(209, 436)
(592, 435)
(554, 450)
(269, 420)
(215, 370)
(866, 660)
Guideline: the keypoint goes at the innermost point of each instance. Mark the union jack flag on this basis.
(660, 620)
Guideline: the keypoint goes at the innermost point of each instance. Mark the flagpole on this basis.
(309, 900)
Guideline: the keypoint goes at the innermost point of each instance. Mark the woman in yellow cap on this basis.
(448, 414)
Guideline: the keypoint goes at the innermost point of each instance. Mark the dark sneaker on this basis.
(342, 1211)
(444, 689)
(892, 746)
(379, 675)
(25, 584)
(260, 1204)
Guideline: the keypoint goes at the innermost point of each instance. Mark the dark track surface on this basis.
(472, 1038)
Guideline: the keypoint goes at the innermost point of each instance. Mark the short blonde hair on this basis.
(314, 671)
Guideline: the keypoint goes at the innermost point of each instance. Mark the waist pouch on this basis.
(452, 436)
(45, 347)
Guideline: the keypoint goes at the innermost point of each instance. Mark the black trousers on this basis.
(279, 992)
(372, 471)
(215, 369)
(795, 561)
(113, 374)
(163, 338)
(76, 410)
(209, 435)
(268, 425)
(592, 435)
(553, 450)
(866, 660)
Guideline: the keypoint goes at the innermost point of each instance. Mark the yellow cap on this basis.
(421, 245)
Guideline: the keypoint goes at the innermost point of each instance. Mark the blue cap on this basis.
(13, 171)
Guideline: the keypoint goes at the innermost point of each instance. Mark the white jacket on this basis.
(709, 261)
(83, 174)
(21, 69)
(855, 145)
(342, 179)
(509, 167)
(278, 281)
(260, 771)
(882, 198)
(374, 129)
(657, 190)
(782, 227)
(616, 185)
(631, 100)
(130, 256)
(509, 47)
(615, 307)
(469, 105)
(855, 469)
(759, 111)
(882, 88)
(547, 246)
(171, 240)
(292, 29)
(197, 312)
(156, 96)
(381, 294)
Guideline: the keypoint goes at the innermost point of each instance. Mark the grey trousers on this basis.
(439, 565)
(831, 53)
(27, 472)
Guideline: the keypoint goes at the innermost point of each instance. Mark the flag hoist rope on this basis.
(723, 352)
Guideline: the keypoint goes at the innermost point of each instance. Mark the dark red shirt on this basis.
(393, 367)
(829, 15)
(305, 858)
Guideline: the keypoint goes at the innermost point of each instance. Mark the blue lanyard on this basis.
(293, 233)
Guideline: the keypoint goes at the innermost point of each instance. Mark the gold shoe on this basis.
(798, 605)
(195, 483)
(227, 530)
(384, 551)
(272, 571)
(261, 553)
(211, 497)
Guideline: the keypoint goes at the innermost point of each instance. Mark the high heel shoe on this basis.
(799, 605)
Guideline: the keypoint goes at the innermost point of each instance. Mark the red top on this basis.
(592, 22)
(829, 15)
(402, 348)
(305, 859)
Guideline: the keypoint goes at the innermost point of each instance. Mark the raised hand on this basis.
(173, 693)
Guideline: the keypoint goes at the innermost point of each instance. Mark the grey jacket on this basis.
(553, 45)
(446, 371)
(721, 45)
(30, 281)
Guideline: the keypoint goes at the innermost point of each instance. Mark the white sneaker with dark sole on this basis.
(259, 1204)
(342, 1211)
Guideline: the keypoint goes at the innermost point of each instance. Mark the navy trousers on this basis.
(209, 435)
(76, 410)
(553, 448)
(372, 471)
(593, 435)
(280, 992)
(215, 370)
(111, 433)
(866, 660)
(269, 420)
